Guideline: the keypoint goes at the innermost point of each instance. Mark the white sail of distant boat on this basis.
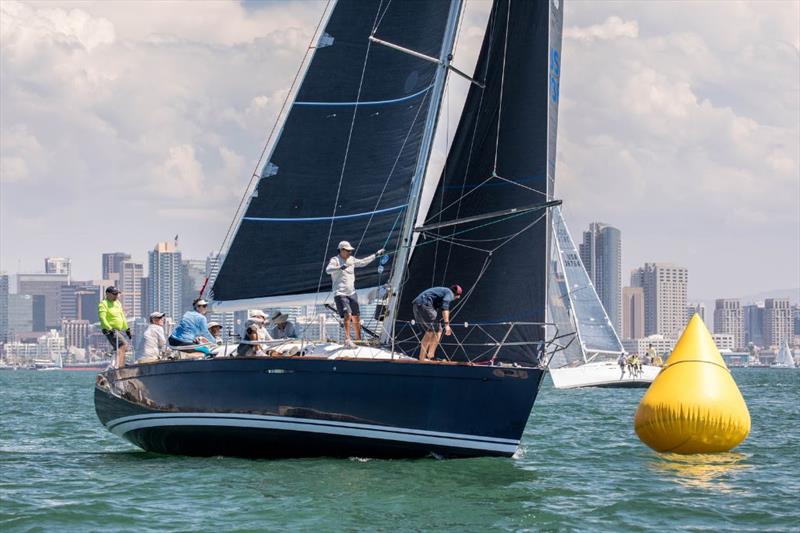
(785, 358)
(575, 306)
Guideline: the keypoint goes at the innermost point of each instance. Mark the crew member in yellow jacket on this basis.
(113, 324)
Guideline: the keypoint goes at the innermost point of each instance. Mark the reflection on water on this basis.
(705, 471)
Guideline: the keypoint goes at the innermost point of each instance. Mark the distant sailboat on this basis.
(575, 306)
(785, 359)
(349, 163)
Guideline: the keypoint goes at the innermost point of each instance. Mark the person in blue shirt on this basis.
(193, 328)
(427, 306)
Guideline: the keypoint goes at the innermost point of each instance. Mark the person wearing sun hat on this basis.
(281, 327)
(258, 319)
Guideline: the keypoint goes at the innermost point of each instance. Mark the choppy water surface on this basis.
(581, 468)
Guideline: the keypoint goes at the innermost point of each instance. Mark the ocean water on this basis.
(580, 468)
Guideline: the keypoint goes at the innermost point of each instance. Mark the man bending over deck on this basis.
(426, 308)
(342, 271)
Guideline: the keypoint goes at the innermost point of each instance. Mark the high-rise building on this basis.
(112, 264)
(20, 315)
(664, 287)
(228, 320)
(130, 283)
(695, 309)
(632, 313)
(601, 253)
(193, 272)
(729, 319)
(75, 332)
(48, 287)
(79, 301)
(753, 319)
(724, 341)
(3, 308)
(58, 265)
(165, 283)
(796, 319)
(777, 321)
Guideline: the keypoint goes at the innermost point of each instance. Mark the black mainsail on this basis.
(354, 139)
(501, 165)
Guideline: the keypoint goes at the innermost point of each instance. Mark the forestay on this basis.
(345, 158)
(502, 157)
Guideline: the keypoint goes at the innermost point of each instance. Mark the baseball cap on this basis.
(345, 245)
(112, 290)
(456, 289)
(156, 314)
(200, 301)
(213, 324)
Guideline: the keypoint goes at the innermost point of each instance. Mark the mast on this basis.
(407, 228)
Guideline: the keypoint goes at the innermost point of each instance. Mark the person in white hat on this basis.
(282, 327)
(154, 340)
(215, 328)
(342, 271)
(258, 319)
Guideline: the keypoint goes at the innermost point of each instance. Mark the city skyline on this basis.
(675, 145)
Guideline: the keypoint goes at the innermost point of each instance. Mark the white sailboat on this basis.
(590, 361)
(785, 358)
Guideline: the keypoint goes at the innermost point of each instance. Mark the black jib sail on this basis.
(347, 153)
(502, 157)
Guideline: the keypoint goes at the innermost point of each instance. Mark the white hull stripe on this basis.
(121, 426)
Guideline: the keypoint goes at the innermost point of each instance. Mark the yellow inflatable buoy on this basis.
(693, 405)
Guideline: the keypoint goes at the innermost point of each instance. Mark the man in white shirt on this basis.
(342, 271)
(155, 340)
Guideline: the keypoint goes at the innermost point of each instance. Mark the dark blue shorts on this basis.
(347, 305)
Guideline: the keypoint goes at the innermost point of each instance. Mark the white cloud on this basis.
(612, 28)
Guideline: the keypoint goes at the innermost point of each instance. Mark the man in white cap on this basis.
(342, 271)
(154, 340)
(281, 327)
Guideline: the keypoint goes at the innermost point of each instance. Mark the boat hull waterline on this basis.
(303, 407)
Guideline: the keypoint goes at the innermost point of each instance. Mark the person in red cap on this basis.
(427, 307)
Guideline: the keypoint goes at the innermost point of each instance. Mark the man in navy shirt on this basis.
(426, 310)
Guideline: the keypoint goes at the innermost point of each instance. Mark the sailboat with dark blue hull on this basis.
(349, 162)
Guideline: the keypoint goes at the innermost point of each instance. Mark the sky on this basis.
(123, 124)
